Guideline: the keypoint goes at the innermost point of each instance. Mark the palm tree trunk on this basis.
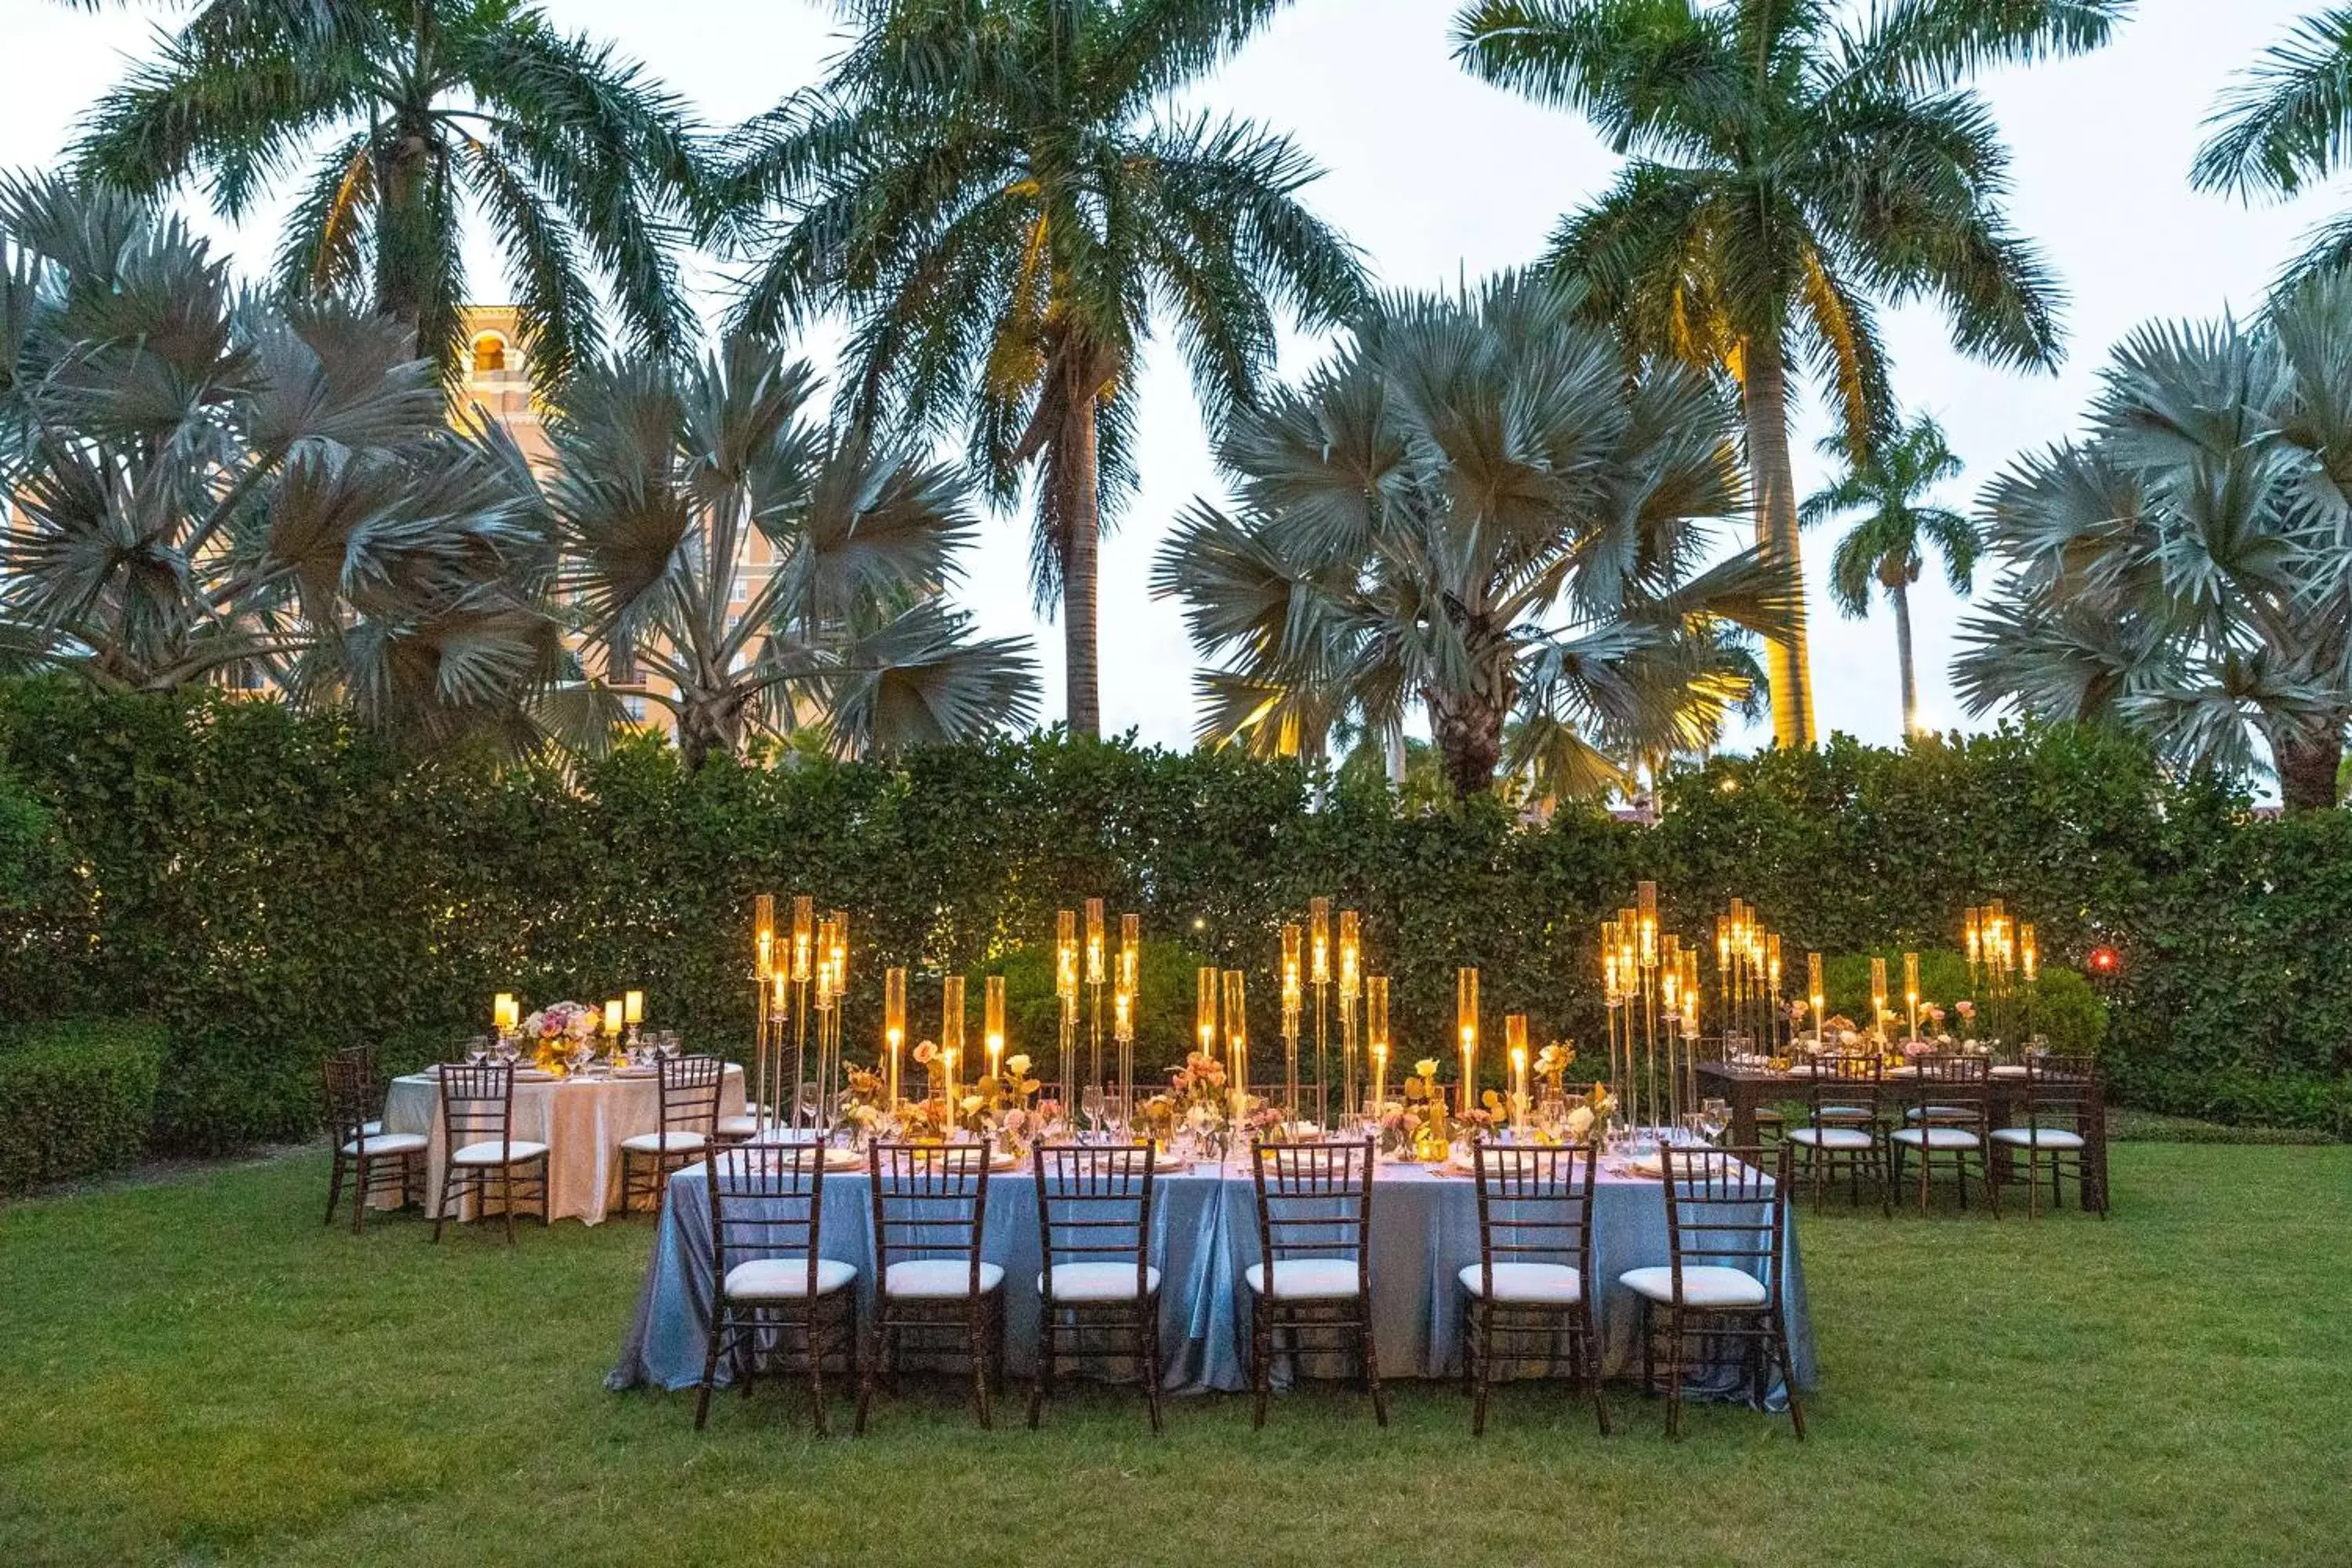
(1901, 593)
(1077, 455)
(1469, 737)
(2308, 767)
(1766, 397)
(405, 254)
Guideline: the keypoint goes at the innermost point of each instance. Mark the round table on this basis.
(581, 1120)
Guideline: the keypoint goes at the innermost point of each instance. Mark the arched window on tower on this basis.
(490, 353)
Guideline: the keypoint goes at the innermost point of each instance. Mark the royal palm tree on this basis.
(1888, 546)
(1473, 509)
(2284, 128)
(418, 112)
(1789, 167)
(996, 195)
(766, 571)
(209, 489)
(2186, 569)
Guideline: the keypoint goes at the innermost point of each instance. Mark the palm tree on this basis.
(996, 196)
(1473, 509)
(211, 490)
(418, 111)
(2186, 569)
(766, 571)
(1787, 169)
(1888, 546)
(2284, 127)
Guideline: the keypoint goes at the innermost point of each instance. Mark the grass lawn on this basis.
(197, 1371)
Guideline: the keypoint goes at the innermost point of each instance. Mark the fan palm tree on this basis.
(996, 194)
(1889, 545)
(417, 111)
(1788, 168)
(2284, 128)
(766, 571)
(209, 489)
(2186, 569)
(1473, 509)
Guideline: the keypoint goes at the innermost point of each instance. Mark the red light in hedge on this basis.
(2105, 959)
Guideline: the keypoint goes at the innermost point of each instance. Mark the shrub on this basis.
(270, 885)
(76, 1097)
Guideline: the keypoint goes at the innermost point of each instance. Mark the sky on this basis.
(1436, 177)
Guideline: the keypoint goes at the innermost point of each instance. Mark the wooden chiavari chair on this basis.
(1726, 1223)
(2063, 1132)
(1948, 1122)
(930, 1206)
(373, 1161)
(1530, 1284)
(772, 1281)
(689, 1086)
(1094, 1234)
(477, 1127)
(1314, 1274)
(1841, 1133)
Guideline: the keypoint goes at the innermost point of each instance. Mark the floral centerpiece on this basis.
(1194, 1101)
(1424, 1122)
(1001, 1105)
(556, 1031)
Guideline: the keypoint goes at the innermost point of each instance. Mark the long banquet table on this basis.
(581, 1120)
(1204, 1234)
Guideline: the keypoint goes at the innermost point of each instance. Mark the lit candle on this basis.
(1878, 994)
(1351, 958)
(993, 1026)
(804, 937)
(1130, 955)
(894, 1024)
(2029, 954)
(1066, 954)
(1911, 990)
(1290, 978)
(1466, 1023)
(1515, 1039)
(1318, 941)
(1237, 1036)
(1813, 991)
(1646, 898)
(951, 1030)
(504, 1015)
(1095, 974)
(763, 932)
(840, 952)
(1205, 1008)
(778, 980)
(613, 1016)
(633, 1007)
(1122, 1006)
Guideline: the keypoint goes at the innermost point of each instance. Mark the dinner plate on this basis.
(637, 1072)
(843, 1159)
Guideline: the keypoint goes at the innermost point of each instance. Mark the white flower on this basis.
(1017, 1066)
(971, 1103)
(1580, 1123)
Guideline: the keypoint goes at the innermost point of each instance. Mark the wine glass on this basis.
(1090, 1103)
(477, 1048)
(1714, 1116)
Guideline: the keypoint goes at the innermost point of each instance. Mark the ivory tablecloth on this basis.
(1424, 1231)
(581, 1121)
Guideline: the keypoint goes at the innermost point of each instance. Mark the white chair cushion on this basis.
(2037, 1137)
(938, 1279)
(496, 1154)
(784, 1278)
(1943, 1113)
(1306, 1279)
(2005, 1071)
(737, 1126)
(1096, 1282)
(1711, 1286)
(1832, 1137)
(1845, 1113)
(1535, 1284)
(1935, 1137)
(371, 1128)
(654, 1144)
(388, 1143)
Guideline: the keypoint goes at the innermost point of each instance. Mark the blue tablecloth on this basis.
(1204, 1234)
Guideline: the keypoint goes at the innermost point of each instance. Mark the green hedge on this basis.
(77, 1098)
(270, 885)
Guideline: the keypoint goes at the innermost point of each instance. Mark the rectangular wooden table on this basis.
(1745, 1088)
